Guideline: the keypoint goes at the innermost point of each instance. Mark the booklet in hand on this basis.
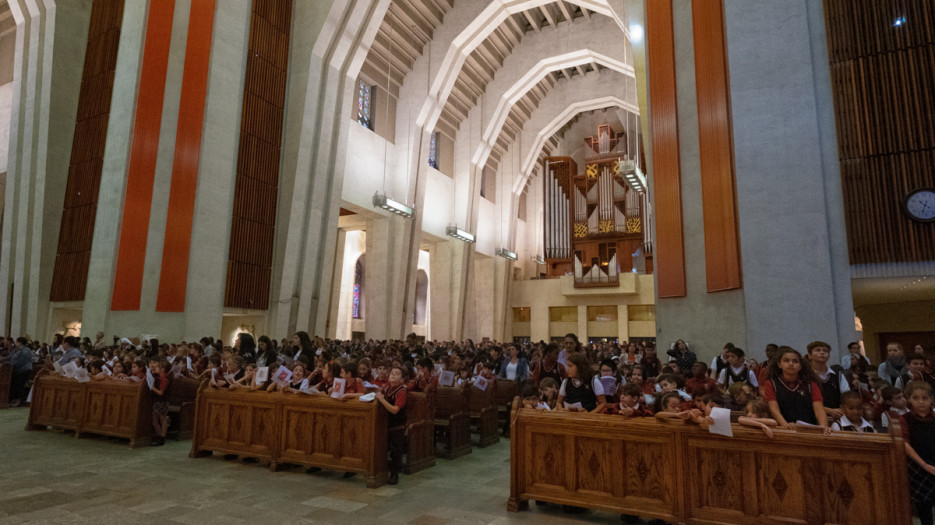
(262, 374)
(58, 368)
(282, 376)
(337, 390)
(447, 378)
(150, 380)
(481, 383)
(81, 374)
(70, 368)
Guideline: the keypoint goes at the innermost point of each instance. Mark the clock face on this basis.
(920, 205)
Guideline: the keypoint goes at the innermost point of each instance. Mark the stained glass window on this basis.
(358, 291)
(364, 105)
(433, 151)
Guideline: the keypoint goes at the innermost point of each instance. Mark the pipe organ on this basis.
(595, 219)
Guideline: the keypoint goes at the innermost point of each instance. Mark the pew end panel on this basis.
(680, 473)
(347, 435)
(452, 422)
(595, 461)
(119, 409)
(420, 431)
(6, 383)
(57, 402)
(237, 422)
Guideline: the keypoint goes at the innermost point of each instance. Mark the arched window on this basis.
(422, 292)
(357, 304)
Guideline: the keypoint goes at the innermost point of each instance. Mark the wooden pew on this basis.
(121, 409)
(181, 396)
(420, 431)
(314, 431)
(484, 414)
(6, 378)
(111, 408)
(680, 473)
(503, 398)
(452, 421)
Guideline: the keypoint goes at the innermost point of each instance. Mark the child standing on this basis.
(918, 429)
(792, 394)
(853, 418)
(895, 405)
(393, 399)
(160, 405)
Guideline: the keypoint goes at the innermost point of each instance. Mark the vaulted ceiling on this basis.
(408, 28)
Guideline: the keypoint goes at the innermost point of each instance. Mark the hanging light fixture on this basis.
(453, 231)
(380, 200)
(506, 254)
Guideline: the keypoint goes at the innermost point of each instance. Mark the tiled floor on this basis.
(51, 477)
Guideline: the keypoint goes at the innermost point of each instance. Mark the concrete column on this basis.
(41, 130)
(790, 206)
(385, 269)
(623, 322)
(582, 323)
(337, 289)
(539, 323)
(328, 47)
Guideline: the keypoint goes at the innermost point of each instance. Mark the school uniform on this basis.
(718, 364)
(731, 375)
(920, 434)
(832, 385)
(701, 386)
(795, 401)
(850, 426)
(575, 391)
(892, 414)
(396, 426)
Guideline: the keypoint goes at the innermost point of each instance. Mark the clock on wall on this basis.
(920, 204)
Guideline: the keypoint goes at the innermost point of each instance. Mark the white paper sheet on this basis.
(188, 363)
(262, 374)
(721, 417)
(368, 384)
(69, 369)
(481, 383)
(58, 368)
(82, 376)
(569, 406)
(337, 391)
(150, 380)
(366, 398)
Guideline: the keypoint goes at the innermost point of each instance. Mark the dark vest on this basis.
(583, 394)
(398, 419)
(922, 437)
(831, 390)
(721, 364)
(795, 405)
(555, 373)
(742, 377)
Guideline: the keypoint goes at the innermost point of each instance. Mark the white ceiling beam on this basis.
(548, 15)
(532, 21)
(564, 9)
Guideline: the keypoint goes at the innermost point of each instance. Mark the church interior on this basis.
(466, 193)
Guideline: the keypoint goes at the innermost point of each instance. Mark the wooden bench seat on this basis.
(452, 422)
(484, 414)
(420, 431)
(181, 396)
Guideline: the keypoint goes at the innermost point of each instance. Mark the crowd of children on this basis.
(788, 390)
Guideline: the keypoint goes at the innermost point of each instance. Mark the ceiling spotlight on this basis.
(380, 200)
(636, 33)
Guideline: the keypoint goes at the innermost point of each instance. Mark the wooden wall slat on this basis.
(253, 226)
(76, 233)
(718, 194)
(883, 82)
(670, 246)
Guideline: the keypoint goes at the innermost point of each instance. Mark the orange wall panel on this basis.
(173, 277)
(134, 226)
(670, 245)
(718, 195)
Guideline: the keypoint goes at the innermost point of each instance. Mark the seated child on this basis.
(329, 372)
(425, 380)
(247, 380)
(671, 408)
(353, 387)
(699, 382)
(631, 402)
(118, 372)
(96, 370)
(758, 416)
(548, 393)
(298, 382)
(529, 399)
(647, 385)
(138, 370)
(853, 418)
(381, 379)
(894, 405)
(672, 383)
(740, 395)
